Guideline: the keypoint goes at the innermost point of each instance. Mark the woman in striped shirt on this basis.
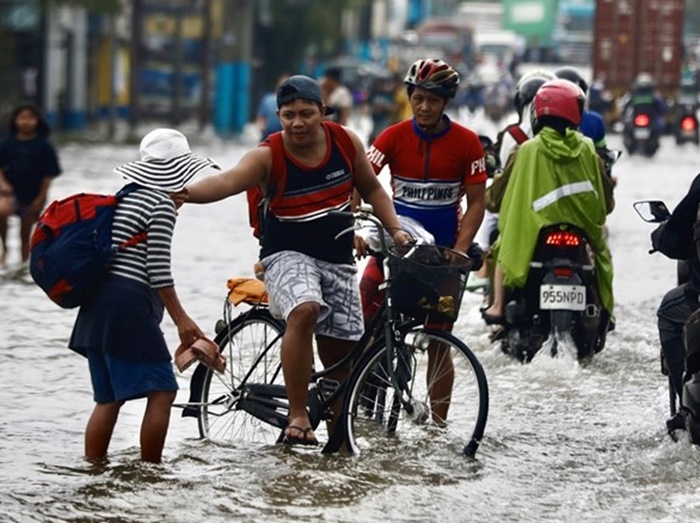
(119, 329)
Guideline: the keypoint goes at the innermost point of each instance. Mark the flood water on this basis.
(563, 442)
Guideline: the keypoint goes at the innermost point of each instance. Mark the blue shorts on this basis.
(115, 379)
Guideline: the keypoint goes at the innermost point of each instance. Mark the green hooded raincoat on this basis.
(554, 179)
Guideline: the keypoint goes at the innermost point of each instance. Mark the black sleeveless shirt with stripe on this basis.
(298, 220)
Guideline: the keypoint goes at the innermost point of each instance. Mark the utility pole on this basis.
(113, 59)
(233, 86)
(206, 66)
(244, 56)
(135, 65)
(176, 102)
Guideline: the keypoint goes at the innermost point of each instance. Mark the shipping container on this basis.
(634, 36)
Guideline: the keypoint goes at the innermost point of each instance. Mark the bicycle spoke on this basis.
(251, 345)
(438, 391)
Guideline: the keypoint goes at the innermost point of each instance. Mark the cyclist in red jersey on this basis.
(434, 163)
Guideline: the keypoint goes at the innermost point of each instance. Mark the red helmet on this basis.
(435, 76)
(560, 98)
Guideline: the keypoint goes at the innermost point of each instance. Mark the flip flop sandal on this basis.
(208, 353)
(184, 357)
(291, 440)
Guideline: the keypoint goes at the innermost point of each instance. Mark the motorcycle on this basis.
(559, 302)
(640, 134)
(687, 414)
(686, 126)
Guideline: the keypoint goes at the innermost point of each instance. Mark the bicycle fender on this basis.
(196, 383)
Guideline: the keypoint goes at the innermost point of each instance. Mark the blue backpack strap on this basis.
(128, 188)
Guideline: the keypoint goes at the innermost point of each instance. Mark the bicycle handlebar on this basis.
(364, 212)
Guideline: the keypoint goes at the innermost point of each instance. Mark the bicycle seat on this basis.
(248, 290)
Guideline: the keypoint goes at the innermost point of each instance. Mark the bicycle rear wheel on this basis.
(251, 344)
(438, 394)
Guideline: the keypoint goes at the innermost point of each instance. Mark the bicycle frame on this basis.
(268, 401)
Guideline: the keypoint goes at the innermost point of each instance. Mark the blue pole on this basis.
(240, 95)
(234, 70)
(224, 111)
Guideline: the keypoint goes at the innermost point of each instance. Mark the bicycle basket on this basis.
(428, 280)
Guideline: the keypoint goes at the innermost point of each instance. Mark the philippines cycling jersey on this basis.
(429, 173)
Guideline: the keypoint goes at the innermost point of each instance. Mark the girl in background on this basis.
(28, 163)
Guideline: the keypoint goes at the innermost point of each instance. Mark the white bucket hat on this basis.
(166, 163)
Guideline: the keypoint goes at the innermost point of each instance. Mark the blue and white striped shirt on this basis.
(148, 261)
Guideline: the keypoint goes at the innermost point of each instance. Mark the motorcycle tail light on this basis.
(563, 239)
(641, 120)
(563, 272)
(688, 123)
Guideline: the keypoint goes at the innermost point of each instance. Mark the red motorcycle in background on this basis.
(640, 134)
(686, 126)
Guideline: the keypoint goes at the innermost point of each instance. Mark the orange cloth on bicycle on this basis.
(250, 290)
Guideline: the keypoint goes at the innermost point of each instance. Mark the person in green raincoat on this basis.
(555, 176)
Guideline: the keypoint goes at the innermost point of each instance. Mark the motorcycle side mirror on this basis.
(609, 156)
(653, 211)
(614, 155)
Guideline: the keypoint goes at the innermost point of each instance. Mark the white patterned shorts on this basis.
(293, 278)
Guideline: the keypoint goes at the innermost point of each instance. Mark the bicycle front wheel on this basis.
(429, 389)
(251, 344)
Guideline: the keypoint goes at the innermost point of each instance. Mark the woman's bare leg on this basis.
(154, 427)
(3, 240)
(100, 426)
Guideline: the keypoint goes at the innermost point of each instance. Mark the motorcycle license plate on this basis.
(642, 133)
(563, 297)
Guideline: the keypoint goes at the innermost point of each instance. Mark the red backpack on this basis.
(259, 203)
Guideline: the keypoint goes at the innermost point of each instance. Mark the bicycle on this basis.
(392, 389)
